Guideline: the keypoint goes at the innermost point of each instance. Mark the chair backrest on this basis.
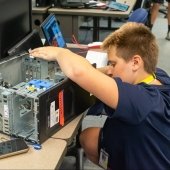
(139, 15)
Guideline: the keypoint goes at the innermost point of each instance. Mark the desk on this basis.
(69, 18)
(68, 133)
(70, 130)
(53, 150)
(49, 157)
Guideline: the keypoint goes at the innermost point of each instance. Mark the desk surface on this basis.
(94, 12)
(69, 131)
(49, 157)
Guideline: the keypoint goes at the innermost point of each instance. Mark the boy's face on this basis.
(118, 67)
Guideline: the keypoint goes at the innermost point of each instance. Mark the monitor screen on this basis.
(52, 32)
(15, 23)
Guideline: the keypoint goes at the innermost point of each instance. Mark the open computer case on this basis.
(36, 99)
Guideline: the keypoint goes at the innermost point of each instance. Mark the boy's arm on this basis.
(79, 70)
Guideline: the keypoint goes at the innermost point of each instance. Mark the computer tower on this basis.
(36, 99)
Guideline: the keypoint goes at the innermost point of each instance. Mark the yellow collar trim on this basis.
(149, 79)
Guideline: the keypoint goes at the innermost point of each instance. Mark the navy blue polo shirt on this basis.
(137, 134)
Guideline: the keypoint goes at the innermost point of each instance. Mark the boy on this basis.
(135, 96)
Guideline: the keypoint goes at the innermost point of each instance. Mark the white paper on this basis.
(54, 115)
(100, 58)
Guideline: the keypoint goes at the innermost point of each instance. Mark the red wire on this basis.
(74, 40)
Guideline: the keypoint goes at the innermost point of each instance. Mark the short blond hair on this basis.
(134, 39)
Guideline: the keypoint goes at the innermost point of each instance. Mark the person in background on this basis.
(154, 12)
(134, 94)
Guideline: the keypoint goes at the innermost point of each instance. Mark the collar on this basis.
(148, 79)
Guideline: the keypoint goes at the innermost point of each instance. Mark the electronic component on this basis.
(12, 147)
(39, 100)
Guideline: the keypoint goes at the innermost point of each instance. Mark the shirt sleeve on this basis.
(135, 102)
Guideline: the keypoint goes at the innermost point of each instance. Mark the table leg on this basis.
(96, 28)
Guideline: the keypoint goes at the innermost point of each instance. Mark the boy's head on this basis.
(134, 39)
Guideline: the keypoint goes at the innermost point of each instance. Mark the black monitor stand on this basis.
(31, 41)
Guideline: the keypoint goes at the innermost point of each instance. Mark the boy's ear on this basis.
(137, 62)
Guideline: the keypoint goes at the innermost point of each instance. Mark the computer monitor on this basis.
(52, 32)
(15, 23)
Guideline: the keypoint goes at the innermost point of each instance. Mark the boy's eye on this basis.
(111, 64)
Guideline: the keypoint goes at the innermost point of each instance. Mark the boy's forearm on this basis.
(72, 64)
